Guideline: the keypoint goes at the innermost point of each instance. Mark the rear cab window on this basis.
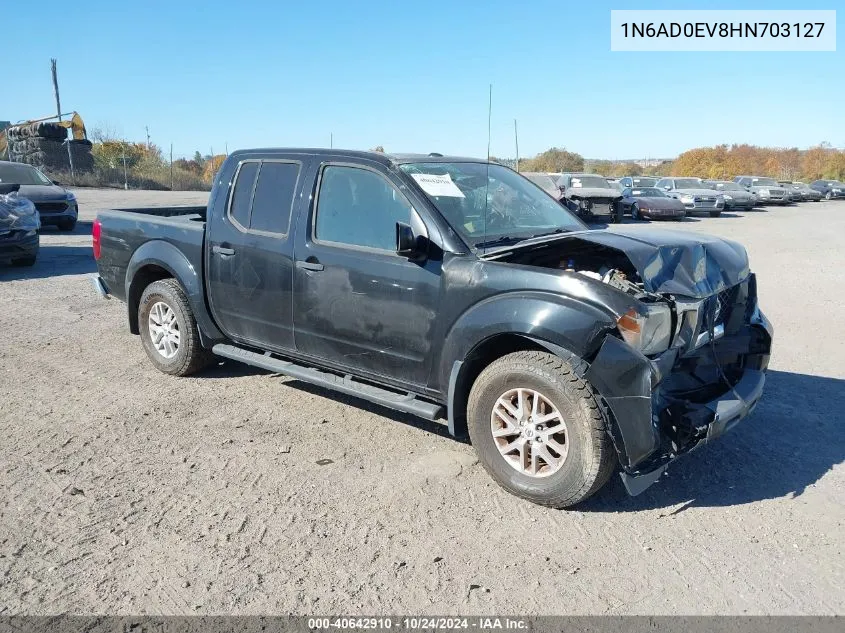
(263, 195)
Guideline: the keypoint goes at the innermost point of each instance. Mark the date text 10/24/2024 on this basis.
(418, 623)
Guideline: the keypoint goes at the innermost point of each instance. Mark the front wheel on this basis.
(635, 212)
(169, 331)
(828, 196)
(538, 430)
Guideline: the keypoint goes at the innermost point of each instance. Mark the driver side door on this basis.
(359, 305)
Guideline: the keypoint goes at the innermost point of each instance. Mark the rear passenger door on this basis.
(249, 254)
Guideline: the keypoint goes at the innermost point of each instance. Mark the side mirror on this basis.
(406, 241)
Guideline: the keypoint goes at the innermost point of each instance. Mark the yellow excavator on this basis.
(74, 124)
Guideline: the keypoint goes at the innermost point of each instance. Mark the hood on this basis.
(592, 192)
(659, 203)
(710, 193)
(43, 193)
(676, 262)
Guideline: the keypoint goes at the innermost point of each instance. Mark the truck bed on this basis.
(124, 231)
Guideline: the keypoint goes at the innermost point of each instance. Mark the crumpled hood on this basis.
(678, 262)
(43, 193)
(592, 192)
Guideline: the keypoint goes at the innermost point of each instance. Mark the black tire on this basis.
(715, 214)
(190, 356)
(635, 212)
(24, 261)
(828, 196)
(591, 458)
(67, 225)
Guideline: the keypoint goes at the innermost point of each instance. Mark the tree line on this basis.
(720, 162)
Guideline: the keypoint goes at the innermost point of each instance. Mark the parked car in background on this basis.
(830, 189)
(19, 226)
(808, 194)
(696, 197)
(590, 195)
(56, 205)
(651, 203)
(767, 190)
(546, 182)
(794, 194)
(638, 182)
(736, 197)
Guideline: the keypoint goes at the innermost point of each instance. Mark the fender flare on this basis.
(165, 255)
(564, 326)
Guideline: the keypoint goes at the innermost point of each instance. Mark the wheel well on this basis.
(143, 278)
(480, 357)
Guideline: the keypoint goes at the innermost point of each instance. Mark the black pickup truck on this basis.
(452, 288)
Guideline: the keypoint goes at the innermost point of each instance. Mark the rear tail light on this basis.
(95, 238)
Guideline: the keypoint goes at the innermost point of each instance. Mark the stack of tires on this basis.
(45, 145)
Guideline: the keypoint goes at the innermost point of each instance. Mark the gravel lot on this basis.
(131, 492)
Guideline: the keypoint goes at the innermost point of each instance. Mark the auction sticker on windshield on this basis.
(438, 185)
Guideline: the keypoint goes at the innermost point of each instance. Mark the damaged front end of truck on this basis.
(689, 356)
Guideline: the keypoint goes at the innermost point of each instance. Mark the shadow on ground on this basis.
(793, 439)
(53, 261)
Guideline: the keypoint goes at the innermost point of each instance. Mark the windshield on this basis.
(687, 183)
(648, 192)
(764, 182)
(20, 174)
(644, 182)
(726, 186)
(488, 207)
(590, 182)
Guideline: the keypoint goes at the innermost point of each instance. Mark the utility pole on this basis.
(54, 72)
(147, 129)
(331, 140)
(171, 167)
(516, 143)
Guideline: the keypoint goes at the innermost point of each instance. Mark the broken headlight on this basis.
(649, 331)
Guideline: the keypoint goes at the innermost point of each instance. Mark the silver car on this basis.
(768, 191)
(694, 194)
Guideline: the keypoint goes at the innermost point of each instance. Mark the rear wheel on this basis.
(169, 331)
(538, 430)
(715, 214)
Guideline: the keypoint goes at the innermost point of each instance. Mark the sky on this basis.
(412, 77)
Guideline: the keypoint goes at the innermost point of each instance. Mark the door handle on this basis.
(310, 265)
(222, 250)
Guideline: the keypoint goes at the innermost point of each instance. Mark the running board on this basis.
(405, 402)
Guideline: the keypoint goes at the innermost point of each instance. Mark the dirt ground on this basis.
(127, 491)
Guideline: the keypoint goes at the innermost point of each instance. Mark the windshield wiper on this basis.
(500, 241)
(552, 232)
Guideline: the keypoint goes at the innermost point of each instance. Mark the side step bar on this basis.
(406, 402)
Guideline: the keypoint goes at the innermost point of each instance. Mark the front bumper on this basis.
(654, 414)
(52, 218)
(660, 214)
(19, 244)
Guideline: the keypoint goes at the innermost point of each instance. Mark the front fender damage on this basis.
(651, 422)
